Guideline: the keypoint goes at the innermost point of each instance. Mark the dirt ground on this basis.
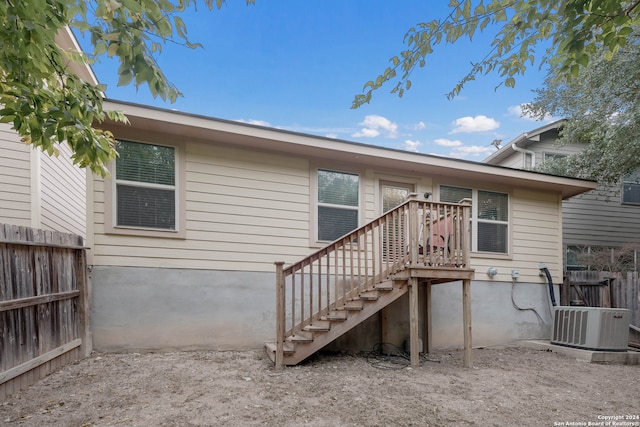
(508, 386)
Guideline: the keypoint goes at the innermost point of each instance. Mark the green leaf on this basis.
(125, 78)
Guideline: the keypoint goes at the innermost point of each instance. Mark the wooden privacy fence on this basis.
(603, 289)
(44, 305)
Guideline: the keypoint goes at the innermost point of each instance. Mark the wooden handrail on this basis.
(417, 233)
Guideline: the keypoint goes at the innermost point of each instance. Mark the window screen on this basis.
(145, 186)
(338, 203)
(631, 188)
(489, 218)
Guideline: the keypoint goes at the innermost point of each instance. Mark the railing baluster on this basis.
(335, 280)
(366, 255)
(310, 288)
(328, 275)
(293, 301)
(301, 295)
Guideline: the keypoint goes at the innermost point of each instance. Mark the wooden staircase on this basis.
(338, 287)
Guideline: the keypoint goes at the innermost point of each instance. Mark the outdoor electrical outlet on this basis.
(515, 274)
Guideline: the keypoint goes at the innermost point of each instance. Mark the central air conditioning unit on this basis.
(591, 328)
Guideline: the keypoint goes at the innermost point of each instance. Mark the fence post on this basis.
(84, 307)
(280, 313)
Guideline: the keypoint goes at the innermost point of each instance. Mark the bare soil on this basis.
(508, 386)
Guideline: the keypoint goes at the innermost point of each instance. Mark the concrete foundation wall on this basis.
(165, 309)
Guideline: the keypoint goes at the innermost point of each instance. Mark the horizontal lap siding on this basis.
(535, 238)
(598, 218)
(244, 211)
(536, 232)
(63, 193)
(15, 176)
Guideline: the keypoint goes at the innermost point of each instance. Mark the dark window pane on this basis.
(454, 194)
(493, 206)
(492, 237)
(146, 207)
(335, 222)
(145, 163)
(631, 193)
(337, 188)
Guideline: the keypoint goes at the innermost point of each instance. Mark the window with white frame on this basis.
(338, 204)
(631, 188)
(551, 157)
(489, 217)
(145, 186)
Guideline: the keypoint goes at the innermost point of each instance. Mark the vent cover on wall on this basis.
(591, 328)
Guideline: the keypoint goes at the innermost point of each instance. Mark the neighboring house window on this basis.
(574, 258)
(338, 204)
(489, 217)
(145, 186)
(553, 156)
(631, 188)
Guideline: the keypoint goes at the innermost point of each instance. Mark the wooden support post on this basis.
(384, 326)
(427, 325)
(280, 313)
(413, 322)
(466, 320)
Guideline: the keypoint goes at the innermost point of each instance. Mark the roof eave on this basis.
(262, 138)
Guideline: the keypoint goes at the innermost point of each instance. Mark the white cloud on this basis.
(443, 142)
(373, 125)
(366, 133)
(412, 145)
(420, 126)
(467, 151)
(332, 135)
(470, 124)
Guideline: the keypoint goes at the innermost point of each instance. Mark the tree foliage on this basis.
(602, 111)
(574, 28)
(46, 102)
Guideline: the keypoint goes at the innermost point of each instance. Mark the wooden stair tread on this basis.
(318, 326)
(353, 305)
(384, 286)
(336, 315)
(369, 295)
(289, 348)
(300, 338)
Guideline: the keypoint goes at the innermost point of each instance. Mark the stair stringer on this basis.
(339, 328)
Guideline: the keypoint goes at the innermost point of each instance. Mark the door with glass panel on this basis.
(394, 238)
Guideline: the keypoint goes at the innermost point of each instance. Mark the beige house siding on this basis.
(63, 193)
(535, 227)
(244, 211)
(15, 175)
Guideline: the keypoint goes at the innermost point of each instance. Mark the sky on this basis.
(296, 65)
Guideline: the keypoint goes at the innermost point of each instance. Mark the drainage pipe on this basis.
(515, 146)
(545, 270)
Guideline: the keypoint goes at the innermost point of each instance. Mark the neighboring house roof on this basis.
(202, 128)
(521, 141)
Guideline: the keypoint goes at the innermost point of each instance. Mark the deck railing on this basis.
(416, 234)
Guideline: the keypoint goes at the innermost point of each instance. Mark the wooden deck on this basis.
(417, 245)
